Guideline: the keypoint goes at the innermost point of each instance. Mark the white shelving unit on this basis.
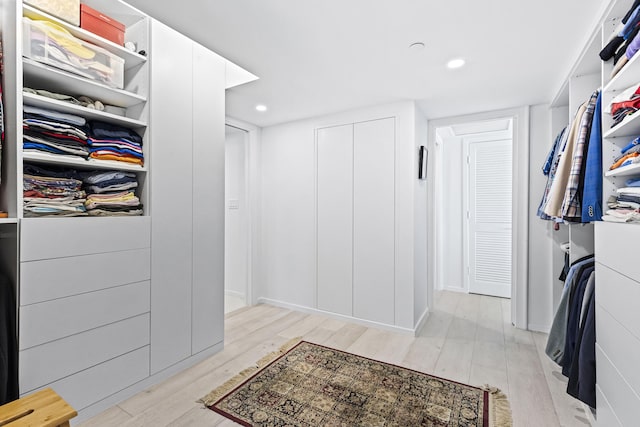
(628, 170)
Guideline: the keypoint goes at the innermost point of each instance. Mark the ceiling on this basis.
(317, 57)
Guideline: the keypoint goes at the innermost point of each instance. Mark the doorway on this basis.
(236, 237)
(449, 192)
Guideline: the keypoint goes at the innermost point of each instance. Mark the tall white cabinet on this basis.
(356, 220)
(109, 306)
(187, 203)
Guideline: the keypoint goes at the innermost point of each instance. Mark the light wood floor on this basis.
(467, 338)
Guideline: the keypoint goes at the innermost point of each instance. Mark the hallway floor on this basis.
(467, 338)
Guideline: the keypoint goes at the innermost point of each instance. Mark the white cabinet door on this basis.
(171, 196)
(335, 219)
(374, 220)
(208, 200)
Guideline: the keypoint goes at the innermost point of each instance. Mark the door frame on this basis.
(466, 195)
(251, 165)
(520, 216)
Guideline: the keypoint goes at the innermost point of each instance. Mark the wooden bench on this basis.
(43, 408)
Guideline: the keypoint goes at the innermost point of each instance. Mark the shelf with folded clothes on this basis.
(62, 192)
(131, 58)
(67, 107)
(56, 80)
(46, 158)
(50, 136)
(629, 126)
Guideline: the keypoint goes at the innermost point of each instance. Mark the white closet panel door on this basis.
(171, 196)
(490, 218)
(335, 219)
(374, 220)
(208, 199)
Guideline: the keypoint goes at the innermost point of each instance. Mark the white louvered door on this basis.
(489, 216)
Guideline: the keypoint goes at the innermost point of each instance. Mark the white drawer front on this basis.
(606, 417)
(622, 348)
(52, 320)
(616, 247)
(49, 279)
(624, 402)
(45, 238)
(619, 295)
(87, 387)
(49, 362)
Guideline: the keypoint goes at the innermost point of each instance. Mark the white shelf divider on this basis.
(88, 113)
(625, 171)
(51, 159)
(630, 126)
(56, 80)
(131, 59)
(8, 220)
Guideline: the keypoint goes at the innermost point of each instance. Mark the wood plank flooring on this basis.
(467, 338)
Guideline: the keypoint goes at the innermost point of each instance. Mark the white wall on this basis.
(542, 278)
(452, 218)
(236, 230)
(288, 223)
(420, 295)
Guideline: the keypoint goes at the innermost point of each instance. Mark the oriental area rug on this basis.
(306, 384)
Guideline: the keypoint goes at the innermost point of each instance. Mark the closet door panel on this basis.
(171, 196)
(374, 220)
(335, 219)
(56, 278)
(81, 351)
(208, 201)
(46, 238)
(51, 320)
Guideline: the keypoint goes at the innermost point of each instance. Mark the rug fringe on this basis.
(238, 379)
(499, 408)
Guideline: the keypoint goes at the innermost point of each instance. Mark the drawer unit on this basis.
(624, 402)
(49, 279)
(60, 318)
(105, 379)
(44, 364)
(617, 248)
(619, 296)
(46, 238)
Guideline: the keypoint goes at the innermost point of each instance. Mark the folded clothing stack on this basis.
(52, 192)
(625, 207)
(629, 155)
(54, 132)
(111, 193)
(113, 142)
(624, 104)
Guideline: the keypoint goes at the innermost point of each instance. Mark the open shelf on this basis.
(131, 59)
(8, 220)
(88, 113)
(50, 159)
(626, 77)
(625, 170)
(630, 126)
(56, 80)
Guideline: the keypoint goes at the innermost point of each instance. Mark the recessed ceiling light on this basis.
(417, 46)
(261, 108)
(455, 63)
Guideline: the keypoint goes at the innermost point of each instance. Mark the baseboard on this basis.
(136, 388)
(421, 322)
(235, 294)
(459, 290)
(536, 327)
(368, 323)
